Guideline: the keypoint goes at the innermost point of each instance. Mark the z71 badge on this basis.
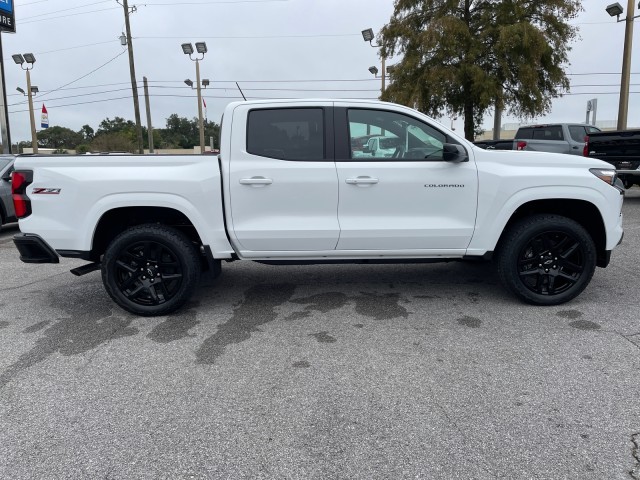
(46, 191)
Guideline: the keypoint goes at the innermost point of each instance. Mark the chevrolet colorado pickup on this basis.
(287, 188)
(621, 149)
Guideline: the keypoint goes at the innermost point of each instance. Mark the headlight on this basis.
(608, 175)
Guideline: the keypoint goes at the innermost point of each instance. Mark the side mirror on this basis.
(366, 150)
(454, 153)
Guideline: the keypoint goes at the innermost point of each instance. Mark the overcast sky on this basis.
(273, 48)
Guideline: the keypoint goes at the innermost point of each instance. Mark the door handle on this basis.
(256, 181)
(575, 147)
(362, 181)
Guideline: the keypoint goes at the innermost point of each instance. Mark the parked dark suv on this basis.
(7, 214)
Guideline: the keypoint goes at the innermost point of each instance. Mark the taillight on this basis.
(585, 150)
(521, 145)
(19, 182)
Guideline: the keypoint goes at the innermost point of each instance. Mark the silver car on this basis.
(7, 213)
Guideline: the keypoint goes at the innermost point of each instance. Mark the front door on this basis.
(283, 185)
(408, 197)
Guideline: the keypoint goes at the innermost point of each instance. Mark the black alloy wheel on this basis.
(551, 263)
(150, 269)
(546, 259)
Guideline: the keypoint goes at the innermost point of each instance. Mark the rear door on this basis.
(282, 179)
(411, 200)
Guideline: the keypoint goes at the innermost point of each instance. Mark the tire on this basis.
(546, 259)
(151, 270)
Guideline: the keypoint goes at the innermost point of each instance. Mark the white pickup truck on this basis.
(287, 188)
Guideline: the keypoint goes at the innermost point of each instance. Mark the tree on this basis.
(184, 133)
(87, 133)
(117, 125)
(464, 56)
(113, 142)
(59, 138)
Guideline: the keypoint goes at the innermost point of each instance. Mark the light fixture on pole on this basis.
(615, 10)
(34, 90)
(29, 59)
(368, 36)
(201, 48)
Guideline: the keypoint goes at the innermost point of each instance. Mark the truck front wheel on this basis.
(546, 259)
(150, 269)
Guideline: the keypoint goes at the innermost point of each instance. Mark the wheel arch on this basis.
(583, 212)
(115, 221)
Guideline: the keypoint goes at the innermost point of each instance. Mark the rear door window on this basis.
(577, 133)
(287, 133)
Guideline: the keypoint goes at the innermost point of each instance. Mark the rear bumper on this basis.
(34, 249)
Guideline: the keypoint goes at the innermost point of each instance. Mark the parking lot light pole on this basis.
(29, 59)
(201, 48)
(368, 36)
(615, 10)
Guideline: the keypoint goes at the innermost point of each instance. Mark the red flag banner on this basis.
(44, 123)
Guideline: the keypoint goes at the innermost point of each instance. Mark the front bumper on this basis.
(33, 249)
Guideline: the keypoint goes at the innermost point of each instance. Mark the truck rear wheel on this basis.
(150, 269)
(546, 259)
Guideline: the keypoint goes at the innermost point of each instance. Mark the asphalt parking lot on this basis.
(322, 372)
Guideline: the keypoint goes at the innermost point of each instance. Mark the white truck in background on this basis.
(288, 188)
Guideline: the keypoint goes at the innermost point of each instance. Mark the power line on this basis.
(178, 96)
(277, 81)
(251, 36)
(73, 48)
(158, 4)
(600, 73)
(66, 10)
(86, 75)
(69, 15)
(76, 96)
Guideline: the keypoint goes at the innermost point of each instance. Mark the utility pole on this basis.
(623, 107)
(149, 126)
(4, 112)
(34, 137)
(132, 69)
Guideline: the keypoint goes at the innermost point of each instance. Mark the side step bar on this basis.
(84, 269)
